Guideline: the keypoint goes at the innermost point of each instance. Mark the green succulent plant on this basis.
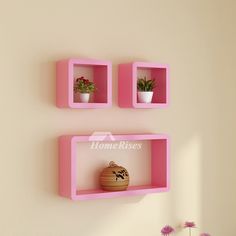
(144, 85)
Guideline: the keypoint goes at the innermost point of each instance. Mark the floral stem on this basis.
(189, 231)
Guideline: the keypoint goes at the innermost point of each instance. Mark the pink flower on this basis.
(189, 224)
(167, 230)
(205, 234)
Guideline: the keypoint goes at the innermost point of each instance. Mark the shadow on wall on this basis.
(199, 145)
(47, 83)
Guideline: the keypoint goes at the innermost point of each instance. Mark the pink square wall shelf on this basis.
(100, 72)
(159, 145)
(128, 76)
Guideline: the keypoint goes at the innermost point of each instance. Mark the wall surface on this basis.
(196, 38)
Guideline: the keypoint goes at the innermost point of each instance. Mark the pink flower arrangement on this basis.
(189, 225)
(167, 230)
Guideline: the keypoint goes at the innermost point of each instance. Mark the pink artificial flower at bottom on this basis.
(167, 230)
(205, 234)
(189, 224)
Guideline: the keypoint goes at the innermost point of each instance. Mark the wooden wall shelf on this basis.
(159, 167)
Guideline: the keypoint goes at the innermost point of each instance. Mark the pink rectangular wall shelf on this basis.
(127, 91)
(65, 83)
(67, 167)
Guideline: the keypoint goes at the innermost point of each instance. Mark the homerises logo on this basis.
(106, 141)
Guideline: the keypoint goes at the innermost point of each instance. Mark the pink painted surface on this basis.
(67, 167)
(127, 82)
(125, 85)
(65, 83)
(62, 85)
(160, 164)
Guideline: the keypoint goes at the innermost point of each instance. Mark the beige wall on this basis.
(197, 39)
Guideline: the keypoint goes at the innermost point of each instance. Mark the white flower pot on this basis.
(145, 97)
(84, 97)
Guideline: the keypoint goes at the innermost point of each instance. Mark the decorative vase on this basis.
(84, 97)
(114, 178)
(145, 97)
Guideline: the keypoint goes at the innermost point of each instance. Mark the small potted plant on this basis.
(84, 87)
(145, 90)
